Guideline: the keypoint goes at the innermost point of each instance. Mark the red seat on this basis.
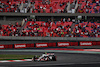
(89, 29)
(54, 10)
(98, 7)
(58, 23)
(5, 26)
(53, 27)
(47, 10)
(70, 23)
(39, 22)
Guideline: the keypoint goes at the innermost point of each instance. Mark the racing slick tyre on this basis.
(54, 58)
(34, 58)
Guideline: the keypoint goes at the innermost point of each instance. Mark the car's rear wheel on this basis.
(34, 58)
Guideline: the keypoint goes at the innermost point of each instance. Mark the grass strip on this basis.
(15, 57)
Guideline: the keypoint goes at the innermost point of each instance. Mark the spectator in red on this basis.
(81, 11)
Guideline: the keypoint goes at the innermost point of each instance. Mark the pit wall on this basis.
(55, 44)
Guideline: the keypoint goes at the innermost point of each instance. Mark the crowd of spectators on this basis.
(65, 27)
(87, 29)
(49, 6)
(7, 6)
(62, 28)
(47, 29)
(89, 6)
(32, 6)
(15, 6)
(10, 30)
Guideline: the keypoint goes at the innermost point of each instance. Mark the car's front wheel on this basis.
(34, 58)
(54, 58)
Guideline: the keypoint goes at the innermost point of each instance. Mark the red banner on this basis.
(94, 43)
(51, 44)
(85, 43)
(19, 45)
(98, 43)
(2, 47)
(73, 43)
(32, 45)
(29, 45)
(63, 44)
(6, 46)
(10, 46)
(41, 45)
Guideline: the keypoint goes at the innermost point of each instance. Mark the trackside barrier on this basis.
(2, 47)
(98, 43)
(41, 45)
(63, 44)
(94, 43)
(8, 46)
(58, 44)
(16, 46)
(29, 45)
(73, 43)
(51, 44)
(85, 43)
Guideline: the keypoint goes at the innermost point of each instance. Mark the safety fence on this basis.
(55, 44)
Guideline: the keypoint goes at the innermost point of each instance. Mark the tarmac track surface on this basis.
(63, 60)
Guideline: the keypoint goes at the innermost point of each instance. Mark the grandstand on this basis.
(61, 28)
(50, 6)
(52, 18)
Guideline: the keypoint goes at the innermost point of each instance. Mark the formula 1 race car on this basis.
(45, 57)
